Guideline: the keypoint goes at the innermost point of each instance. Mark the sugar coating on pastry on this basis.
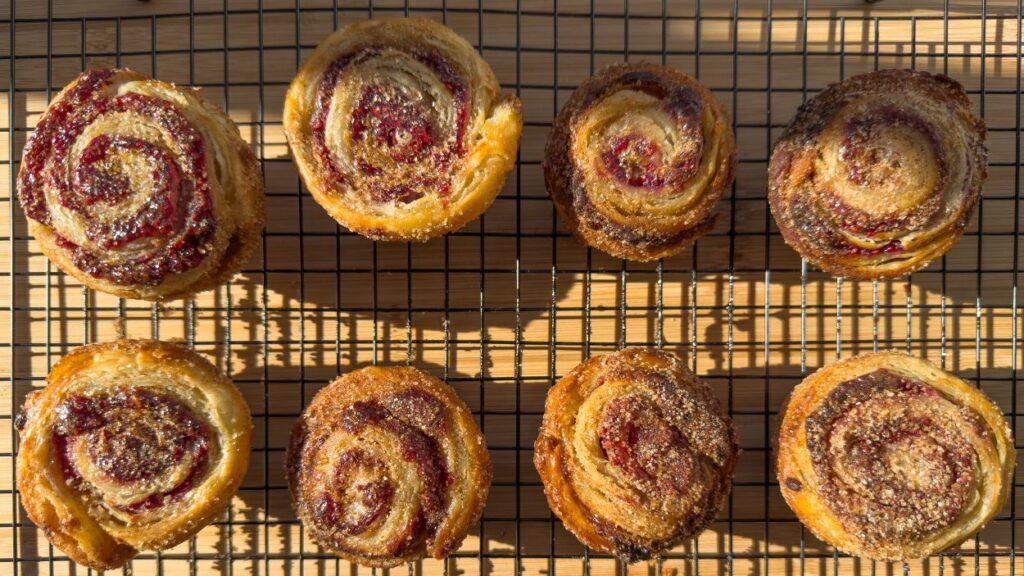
(635, 453)
(399, 129)
(132, 445)
(637, 160)
(140, 188)
(387, 465)
(888, 457)
(879, 174)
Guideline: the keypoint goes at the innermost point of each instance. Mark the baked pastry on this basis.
(399, 129)
(636, 454)
(637, 160)
(133, 445)
(888, 457)
(878, 175)
(139, 188)
(387, 465)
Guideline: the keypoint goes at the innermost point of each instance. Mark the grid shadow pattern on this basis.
(504, 307)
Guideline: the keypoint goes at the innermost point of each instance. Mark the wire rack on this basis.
(504, 307)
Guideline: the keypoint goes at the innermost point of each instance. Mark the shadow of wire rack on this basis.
(507, 305)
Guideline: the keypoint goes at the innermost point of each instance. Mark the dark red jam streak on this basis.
(646, 448)
(659, 437)
(358, 492)
(95, 185)
(820, 229)
(37, 150)
(131, 435)
(175, 186)
(385, 117)
(350, 505)
(880, 502)
(635, 160)
(159, 216)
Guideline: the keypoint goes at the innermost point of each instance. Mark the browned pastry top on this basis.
(387, 465)
(399, 129)
(888, 457)
(635, 453)
(140, 188)
(637, 160)
(133, 445)
(879, 174)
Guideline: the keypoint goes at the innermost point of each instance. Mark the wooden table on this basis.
(512, 302)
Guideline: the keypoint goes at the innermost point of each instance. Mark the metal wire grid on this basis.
(265, 479)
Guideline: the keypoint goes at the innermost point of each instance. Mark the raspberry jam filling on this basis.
(359, 491)
(398, 146)
(822, 230)
(100, 177)
(131, 436)
(391, 118)
(647, 449)
(48, 130)
(635, 160)
(177, 213)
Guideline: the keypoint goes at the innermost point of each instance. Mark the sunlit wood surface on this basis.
(511, 303)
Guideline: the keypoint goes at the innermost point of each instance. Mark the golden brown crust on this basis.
(402, 447)
(637, 160)
(886, 456)
(399, 129)
(133, 445)
(139, 188)
(636, 454)
(879, 174)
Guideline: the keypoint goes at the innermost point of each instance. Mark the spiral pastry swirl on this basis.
(139, 188)
(637, 160)
(635, 453)
(133, 445)
(888, 457)
(878, 175)
(399, 129)
(387, 465)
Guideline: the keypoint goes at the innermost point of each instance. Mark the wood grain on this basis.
(521, 303)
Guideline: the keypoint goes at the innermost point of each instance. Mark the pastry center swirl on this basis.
(109, 170)
(647, 139)
(895, 458)
(646, 449)
(379, 480)
(133, 448)
(390, 123)
(122, 180)
(393, 119)
(884, 170)
(635, 161)
(358, 495)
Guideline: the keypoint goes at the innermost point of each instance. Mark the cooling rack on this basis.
(504, 307)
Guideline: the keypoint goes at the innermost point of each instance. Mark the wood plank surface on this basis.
(511, 303)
